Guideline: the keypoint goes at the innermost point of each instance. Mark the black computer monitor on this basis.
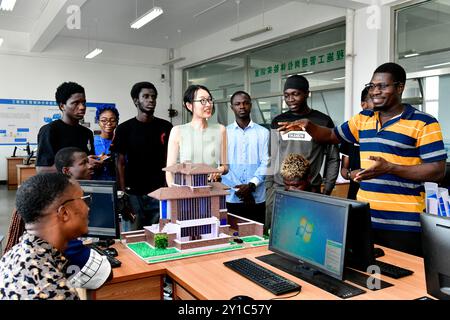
(436, 254)
(359, 253)
(103, 216)
(310, 229)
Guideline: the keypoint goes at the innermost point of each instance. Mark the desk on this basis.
(11, 163)
(24, 172)
(134, 280)
(206, 278)
(211, 280)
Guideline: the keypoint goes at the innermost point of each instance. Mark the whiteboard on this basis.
(21, 119)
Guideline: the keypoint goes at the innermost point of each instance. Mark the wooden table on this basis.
(24, 172)
(206, 278)
(133, 280)
(11, 169)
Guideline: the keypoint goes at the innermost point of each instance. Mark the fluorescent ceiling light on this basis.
(306, 72)
(147, 17)
(326, 46)
(437, 65)
(1, 41)
(409, 55)
(93, 53)
(251, 34)
(172, 61)
(7, 5)
(340, 78)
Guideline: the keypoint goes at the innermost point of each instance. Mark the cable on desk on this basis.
(281, 298)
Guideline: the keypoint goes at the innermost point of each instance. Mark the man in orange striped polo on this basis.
(400, 148)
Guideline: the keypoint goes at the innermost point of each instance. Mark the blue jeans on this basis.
(146, 210)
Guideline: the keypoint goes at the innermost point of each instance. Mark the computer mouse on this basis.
(111, 252)
(238, 240)
(242, 298)
(378, 252)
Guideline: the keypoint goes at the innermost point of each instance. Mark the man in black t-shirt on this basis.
(296, 91)
(65, 132)
(141, 147)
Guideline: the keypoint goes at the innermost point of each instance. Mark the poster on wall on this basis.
(20, 119)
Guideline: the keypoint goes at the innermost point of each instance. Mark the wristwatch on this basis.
(349, 174)
(120, 194)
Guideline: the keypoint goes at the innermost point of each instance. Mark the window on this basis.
(262, 71)
(422, 47)
(194, 208)
(422, 37)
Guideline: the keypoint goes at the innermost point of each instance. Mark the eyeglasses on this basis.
(204, 101)
(381, 86)
(105, 121)
(86, 199)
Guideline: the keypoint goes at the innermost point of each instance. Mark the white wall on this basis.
(106, 79)
(372, 47)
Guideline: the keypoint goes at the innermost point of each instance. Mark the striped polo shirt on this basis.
(411, 138)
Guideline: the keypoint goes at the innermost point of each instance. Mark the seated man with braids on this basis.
(296, 176)
(295, 172)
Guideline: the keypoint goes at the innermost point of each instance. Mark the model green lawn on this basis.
(152, 255)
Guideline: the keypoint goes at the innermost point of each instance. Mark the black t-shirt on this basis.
(56, 135)
(352, 152)
(145, 148)
(314, 152)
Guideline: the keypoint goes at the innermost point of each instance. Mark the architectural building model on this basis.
(193, 212)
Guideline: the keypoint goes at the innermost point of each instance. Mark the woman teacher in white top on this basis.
(197, 141)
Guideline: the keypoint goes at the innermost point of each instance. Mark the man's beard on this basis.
(380, 108)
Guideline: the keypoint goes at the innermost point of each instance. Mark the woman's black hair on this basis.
(189, 95)
(104, 108)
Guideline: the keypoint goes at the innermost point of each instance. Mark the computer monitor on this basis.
(310, 230)
(103, 216)
(436, 254)
(359, 253)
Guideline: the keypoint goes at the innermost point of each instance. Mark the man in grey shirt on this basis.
(296, 91)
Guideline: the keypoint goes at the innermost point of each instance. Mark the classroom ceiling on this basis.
(109, 20)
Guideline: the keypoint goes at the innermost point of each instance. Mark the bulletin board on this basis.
(20, 119)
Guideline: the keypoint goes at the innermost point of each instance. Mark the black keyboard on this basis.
(325, 282)
(115, 263)
(263, 277)
(392, 271)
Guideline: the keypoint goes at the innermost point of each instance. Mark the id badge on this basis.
(296, 136)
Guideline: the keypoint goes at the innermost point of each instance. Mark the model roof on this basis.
(186, 192)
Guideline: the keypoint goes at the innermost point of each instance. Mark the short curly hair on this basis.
(37, 193)
(295, 166)
(137, 87)
(66, 90)
(104, 108)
